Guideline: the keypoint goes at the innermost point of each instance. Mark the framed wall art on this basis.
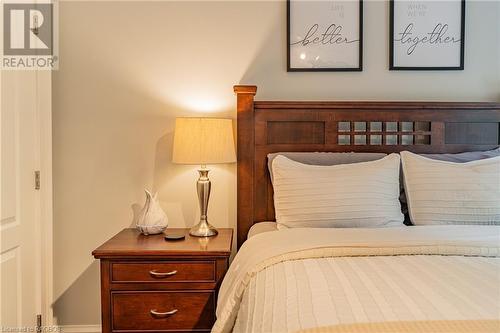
(427, 35)
(324, 35)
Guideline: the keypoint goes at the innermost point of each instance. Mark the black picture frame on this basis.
(393, 67)
(359, 68)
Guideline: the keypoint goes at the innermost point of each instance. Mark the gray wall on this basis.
(127, 69)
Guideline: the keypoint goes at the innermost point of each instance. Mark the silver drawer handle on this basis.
(159, 274)
(163, 314)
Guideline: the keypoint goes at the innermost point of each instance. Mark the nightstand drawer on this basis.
(163, 310)
(164, 271)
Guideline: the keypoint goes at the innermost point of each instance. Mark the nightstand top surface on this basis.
(130, 243)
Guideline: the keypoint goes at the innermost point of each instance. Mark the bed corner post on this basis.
(246, 150)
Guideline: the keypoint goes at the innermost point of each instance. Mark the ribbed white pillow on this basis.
(348, 195)
(441, 192)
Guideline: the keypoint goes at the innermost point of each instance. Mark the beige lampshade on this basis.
(203, 141)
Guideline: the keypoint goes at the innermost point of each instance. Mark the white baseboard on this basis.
(80, 328)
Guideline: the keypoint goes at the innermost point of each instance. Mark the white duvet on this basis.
(298, 279)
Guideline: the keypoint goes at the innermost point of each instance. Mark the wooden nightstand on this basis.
(149, 284)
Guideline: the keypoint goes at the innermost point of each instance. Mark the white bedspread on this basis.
(303, 278)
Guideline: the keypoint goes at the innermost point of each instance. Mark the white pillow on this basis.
(441, 192)
(348, 195)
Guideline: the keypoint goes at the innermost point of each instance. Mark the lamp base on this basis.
(203, 185)
(203, 229)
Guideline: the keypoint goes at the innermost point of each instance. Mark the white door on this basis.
(20, 209)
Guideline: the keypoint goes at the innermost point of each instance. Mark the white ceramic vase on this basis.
(152, 219)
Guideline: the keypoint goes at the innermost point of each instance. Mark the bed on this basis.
(439, 278)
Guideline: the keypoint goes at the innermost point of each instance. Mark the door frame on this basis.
(45, 202)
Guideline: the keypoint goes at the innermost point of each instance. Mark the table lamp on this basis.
(203, 141)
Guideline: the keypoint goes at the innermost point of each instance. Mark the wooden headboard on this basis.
(424, 127)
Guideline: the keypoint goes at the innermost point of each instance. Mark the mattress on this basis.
(324, 279)
(261, 227)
